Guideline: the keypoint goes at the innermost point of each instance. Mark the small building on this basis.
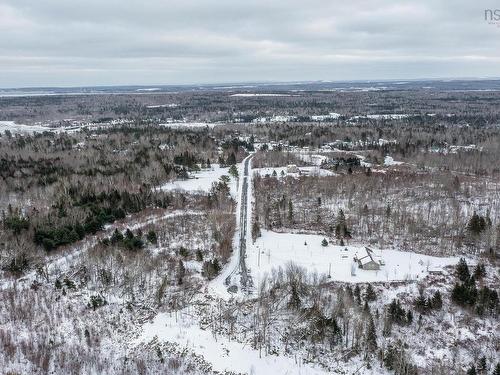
(292, 168)
(368, 262)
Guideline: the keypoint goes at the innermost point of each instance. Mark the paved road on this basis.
(241, 269)
(243, 225)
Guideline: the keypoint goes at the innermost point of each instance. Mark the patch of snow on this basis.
(251, 95)
(224, 355)
(188, 124)
(330, 116)
(171, 105)
(388, 161)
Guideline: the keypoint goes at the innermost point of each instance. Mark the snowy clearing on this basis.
(388, 161)
(251, 95)
(187, 125)
(305, 171)
(171, 105)
(273, 250)
(20, 128)
(202, 181)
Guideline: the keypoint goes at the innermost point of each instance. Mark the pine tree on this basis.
(472, 370)
(341, 226)
(181, 271)
(233, 171)
(409, 317)
(462, 270)
(290, 211)
(357, 294)
(152, 237)
(420, 303)
(371, 335)
(324, 243)
(482, 364)
(199, 255)
(437, 301)
(497, 369)
(479, 271)
(370, 294)
(231, 159)
(476, 224)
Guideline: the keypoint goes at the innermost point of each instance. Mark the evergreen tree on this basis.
(370, 294)
(371, 335)
(152, 237)
(341, 230)
(409, 317)
(231, 159)
(420, 303)
(437, 301)
(199, 255)
(181, 272)
(476, 224)
(233, 171)
(117, 237)
(482, 364)
(357, 294)
(290, 211)
(462, 270)
(479, 271)
(324, 243)
(497, 369)
(472, 370)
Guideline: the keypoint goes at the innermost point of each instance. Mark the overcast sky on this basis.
(107, 42)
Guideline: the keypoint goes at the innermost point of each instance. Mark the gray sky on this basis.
(106, 42)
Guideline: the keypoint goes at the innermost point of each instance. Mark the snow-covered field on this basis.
(282, 171)
(252, 95)
(170, 105)
(273, 250)
(202, 181)
(187, 125)
(389, 160)
(20, 128)
(330, 116)
(315, 159)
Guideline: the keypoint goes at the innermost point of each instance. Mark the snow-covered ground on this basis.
(20, 128)
(202, 181)
(315, 159)
(388, 161)
(170, 105)
(330, 116)
(251, 95)
(282, 171)
(223, 354)
(187, 125)
(273, 250)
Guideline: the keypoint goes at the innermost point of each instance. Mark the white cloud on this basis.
(71, 42)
